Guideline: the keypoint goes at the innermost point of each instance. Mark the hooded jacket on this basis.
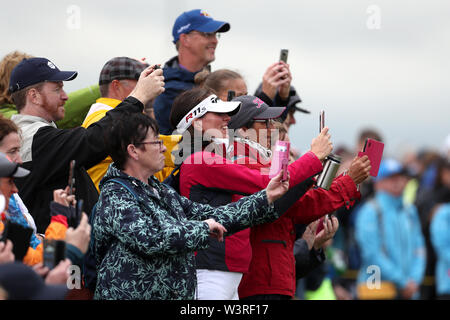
(145, 248)
(177, 80)
(389, 236)
(47, 152)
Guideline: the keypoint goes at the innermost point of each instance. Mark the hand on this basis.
(62, 197)
(59, 274)
(6, 253)
(216, 230)
(409, 291)
(80, 236)
(285, 86)
(277, 187)
(359, 169)
(330, 226)
(149, 86)
(321, 145)
(310, 233)
(276, 75)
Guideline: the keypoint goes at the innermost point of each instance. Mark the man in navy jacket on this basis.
(195, 35)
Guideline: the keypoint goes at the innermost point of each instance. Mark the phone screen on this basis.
(54, 252)
(284, 55)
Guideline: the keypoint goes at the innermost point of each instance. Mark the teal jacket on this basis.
(440, 238)
(394, 243)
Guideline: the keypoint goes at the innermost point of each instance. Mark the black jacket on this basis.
(52, 149)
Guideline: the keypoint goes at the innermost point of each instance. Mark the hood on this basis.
(173, 72)
(114, 172)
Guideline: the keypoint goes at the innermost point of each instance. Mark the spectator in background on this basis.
(7, 107)
(390, 237)
(37, 86)
(195, 35)
(440, 236)
(427, 203)
(118, 78)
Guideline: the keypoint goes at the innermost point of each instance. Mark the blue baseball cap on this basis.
(35, 70)
(197, 20)
(389, 168)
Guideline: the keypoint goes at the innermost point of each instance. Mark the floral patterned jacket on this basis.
(145, 249)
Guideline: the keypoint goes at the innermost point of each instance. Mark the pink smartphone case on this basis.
(281, 154)
(374, 150)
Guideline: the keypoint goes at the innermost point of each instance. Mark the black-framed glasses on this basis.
(158, 142)
(208, 34)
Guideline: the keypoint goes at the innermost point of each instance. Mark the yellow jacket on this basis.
(98, 111)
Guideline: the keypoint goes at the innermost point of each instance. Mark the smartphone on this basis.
(374, 150)
(280, 158)
(231, 95)
(284, 55)
(156, 67)
(54, 252)
(321, 120)
(20, 236)
(71, 176)
(79, 211)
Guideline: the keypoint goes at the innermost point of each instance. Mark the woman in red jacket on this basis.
(272, 268)
(206, 176)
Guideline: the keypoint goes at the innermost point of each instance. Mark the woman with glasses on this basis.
(145, 234)
(207, 176)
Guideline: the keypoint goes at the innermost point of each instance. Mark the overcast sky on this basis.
(383, 64)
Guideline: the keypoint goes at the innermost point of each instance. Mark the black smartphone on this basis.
(79, 211)
(71, 182)
(231, 95)
(321, 120)
(20, 236)
(284, 55)
(54, 252)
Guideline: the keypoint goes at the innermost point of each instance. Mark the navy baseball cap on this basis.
(35, 70)
(197, 20)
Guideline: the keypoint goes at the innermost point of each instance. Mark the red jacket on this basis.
(272, 267)
(209, 170)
